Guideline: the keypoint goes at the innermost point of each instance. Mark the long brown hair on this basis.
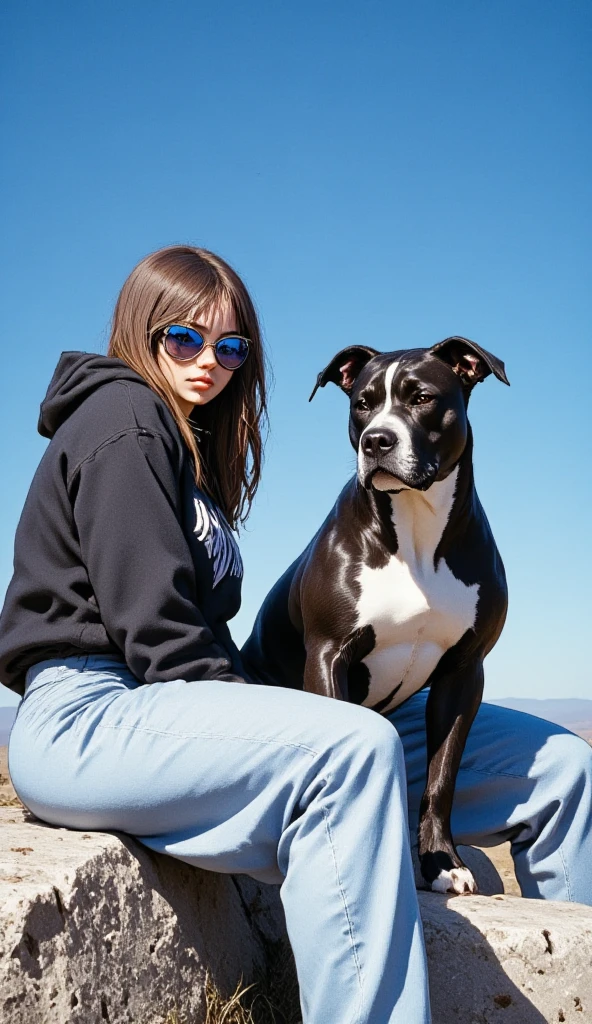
(225, 435)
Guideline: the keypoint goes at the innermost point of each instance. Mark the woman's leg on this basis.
(521, 778)
(284, 786)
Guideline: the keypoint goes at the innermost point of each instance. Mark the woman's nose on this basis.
(206, 358)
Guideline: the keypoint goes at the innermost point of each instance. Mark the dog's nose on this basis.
(378, 442)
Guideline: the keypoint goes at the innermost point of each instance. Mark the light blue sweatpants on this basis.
(292, 788)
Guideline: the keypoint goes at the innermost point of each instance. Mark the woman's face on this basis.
(196, 381)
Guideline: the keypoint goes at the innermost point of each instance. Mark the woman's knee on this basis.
(574, 759)
(366, 737)
(567, 765)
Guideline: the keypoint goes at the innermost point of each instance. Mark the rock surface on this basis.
(507, 959)
(94, 928)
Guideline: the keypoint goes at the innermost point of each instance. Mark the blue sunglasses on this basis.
(184, 343)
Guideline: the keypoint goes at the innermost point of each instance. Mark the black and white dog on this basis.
(402, 587)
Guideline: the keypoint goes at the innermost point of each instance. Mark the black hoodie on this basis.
(117, 552)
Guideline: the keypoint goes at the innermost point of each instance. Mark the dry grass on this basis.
(240, 1008)
(272, 999)
(246, 1005)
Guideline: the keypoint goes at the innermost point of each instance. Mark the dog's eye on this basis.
(422, 398)
(362, 404)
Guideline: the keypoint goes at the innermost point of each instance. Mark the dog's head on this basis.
(408, 409)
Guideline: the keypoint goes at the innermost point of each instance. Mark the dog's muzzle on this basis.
(384, 478)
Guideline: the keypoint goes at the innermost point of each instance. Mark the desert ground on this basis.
(8, 797)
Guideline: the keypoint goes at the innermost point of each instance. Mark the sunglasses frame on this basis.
(205, 344)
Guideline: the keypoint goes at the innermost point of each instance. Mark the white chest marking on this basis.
(417, 610)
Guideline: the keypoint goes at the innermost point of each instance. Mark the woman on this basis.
(136, 715)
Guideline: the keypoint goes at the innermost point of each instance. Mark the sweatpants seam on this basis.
(208, 735)
(350, 926)
(564, 866)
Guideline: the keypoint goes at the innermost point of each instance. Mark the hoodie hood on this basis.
(76, 376)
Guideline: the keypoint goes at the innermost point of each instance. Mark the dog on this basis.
(402, 586)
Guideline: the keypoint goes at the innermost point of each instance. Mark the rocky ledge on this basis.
(95, 928)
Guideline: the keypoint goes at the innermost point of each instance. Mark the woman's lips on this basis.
(201, 383)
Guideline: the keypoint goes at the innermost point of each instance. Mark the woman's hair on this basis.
(181, 282)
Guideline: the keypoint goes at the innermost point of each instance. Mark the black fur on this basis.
(317, 596)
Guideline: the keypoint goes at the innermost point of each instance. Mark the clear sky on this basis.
(381, 172)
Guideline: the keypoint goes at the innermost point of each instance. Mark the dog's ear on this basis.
(469, 361)
(344, 368)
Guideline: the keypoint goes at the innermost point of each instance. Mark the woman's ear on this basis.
(469, 361)
(344, 368)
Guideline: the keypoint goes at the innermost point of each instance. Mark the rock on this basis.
(507, 959)
(94, 927)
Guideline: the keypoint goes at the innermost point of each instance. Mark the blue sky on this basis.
(382, 173)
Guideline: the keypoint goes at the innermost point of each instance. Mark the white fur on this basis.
(459, 880)
(385, 418)
(383, 481)
(388, 387)
(388, 420)
(417, 611)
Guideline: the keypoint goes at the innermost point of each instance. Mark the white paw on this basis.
(458, 880)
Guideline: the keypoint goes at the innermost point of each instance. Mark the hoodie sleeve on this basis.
(139, 562)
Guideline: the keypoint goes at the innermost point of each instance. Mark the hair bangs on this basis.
(196, 288)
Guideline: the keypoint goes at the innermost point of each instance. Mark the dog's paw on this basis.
(457, 880)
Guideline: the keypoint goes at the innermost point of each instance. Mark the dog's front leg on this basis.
(328, 662)
(325, 670)
(451, 707)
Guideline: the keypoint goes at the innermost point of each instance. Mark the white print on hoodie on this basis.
(212, 528)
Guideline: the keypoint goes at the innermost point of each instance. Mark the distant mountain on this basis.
(7, 716)
(574, 713)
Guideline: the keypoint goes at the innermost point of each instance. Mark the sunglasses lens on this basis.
(182, 342)
(231, 352)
